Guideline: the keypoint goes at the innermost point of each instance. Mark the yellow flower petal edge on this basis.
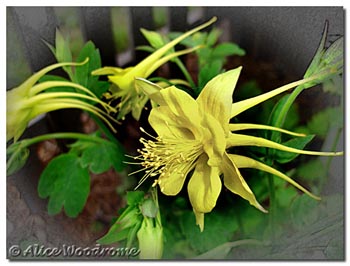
(246, 162)
(242, 126)
(235, 140)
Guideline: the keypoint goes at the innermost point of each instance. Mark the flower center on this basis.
(164, 156)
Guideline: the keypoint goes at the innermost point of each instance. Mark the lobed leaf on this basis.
(66, 183)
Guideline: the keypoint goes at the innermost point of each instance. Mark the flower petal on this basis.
(234, 181)
(243, 105)
(244, 140)
(216, 96)
(166, 124)
(110, 71)
(214, 140)
(237, 127)
(199, 219)
(184, 107)
(246, 162)
(204, 186)
(171, 182)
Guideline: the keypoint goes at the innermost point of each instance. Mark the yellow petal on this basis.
(204, 186)
(199, 219)
(241, 106)
(214, 140)
(166, 124)
(244, 140)
(234, 181)
(184, 107)
(172, 181)
(216, 96)
(26, 85)
(246, 162)
(237, 127)
(151, 89)
(110, 71)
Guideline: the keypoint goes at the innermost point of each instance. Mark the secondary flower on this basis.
(195, 134)
(130, 98)
(29, 100)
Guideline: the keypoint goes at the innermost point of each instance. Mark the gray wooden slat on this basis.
(96, 25)
(141, 17)
(178, 18)
(36, 24)
(273, 32)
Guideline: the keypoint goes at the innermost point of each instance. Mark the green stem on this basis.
(272, 207)
(64, 135)
(284, 111)
(183, 69)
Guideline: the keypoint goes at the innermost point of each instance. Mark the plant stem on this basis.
(272, 205)
(65, 135)
(185, 72)
(283, 114)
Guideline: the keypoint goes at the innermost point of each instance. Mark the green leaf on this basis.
(83, 73)
(145, 48)
(297, 143)
(313, 170)
(213, 36)
(120, 229)
(134, 197)
(208, 72)
(101, 156)
(16, 157)
(219, 228)
(320, 123)
(66, 183)
(154, 38)
(63, 52)
(303, 211)
(227, 49)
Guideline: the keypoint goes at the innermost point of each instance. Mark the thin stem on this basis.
(184, 71)
(272, 207)
(283, 114)
(63, 135)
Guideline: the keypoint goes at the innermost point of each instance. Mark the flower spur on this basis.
(29, 100)
(131, 99)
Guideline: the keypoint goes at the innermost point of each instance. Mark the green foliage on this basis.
(16, 157)
(297, 143)
(100, 157)
(219, 228)
(80, 74)
(322, 121)
(67, 183)
(313, 170)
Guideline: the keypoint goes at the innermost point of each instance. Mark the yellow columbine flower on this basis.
(131, 99)
(195, 134)
(29, 100)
